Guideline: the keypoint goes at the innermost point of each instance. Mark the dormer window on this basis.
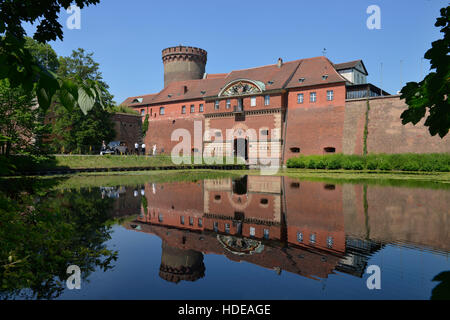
(270, 82)
(325, 77)
(137, 100)
(301, 80)
(203, 92)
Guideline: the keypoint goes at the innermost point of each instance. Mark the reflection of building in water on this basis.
(246, 220)
(179, 264)
(308, 228)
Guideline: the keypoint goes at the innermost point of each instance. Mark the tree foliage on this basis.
(431, 94)
(18, 65)
(21, 122)
(145, 125)
(43, 53)
(74, 130)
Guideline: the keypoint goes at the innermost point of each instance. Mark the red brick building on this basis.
(305, 106)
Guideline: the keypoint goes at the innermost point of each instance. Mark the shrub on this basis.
(372, 165)
(384, 165)
(311, 164)
(320, 164)
(347, 164)
(334, 164)
(405, 162)
(357, 165)
(410, 166)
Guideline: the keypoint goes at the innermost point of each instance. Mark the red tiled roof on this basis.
(189, 90)
(287, 76)
(216, 75)
(312, 72)
(146, 99)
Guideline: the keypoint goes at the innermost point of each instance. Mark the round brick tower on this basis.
(183, 63)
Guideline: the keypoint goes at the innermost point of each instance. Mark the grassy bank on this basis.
(382, 162)
(20, 164)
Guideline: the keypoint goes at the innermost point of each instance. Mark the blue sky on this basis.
(127, 36)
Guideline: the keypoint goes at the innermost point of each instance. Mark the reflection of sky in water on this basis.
(406, 274)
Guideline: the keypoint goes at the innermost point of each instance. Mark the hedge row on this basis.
(385, 162)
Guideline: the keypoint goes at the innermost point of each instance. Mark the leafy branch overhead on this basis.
(21, 69)
(431, 94)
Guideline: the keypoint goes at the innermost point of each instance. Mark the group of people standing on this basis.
(141, 150)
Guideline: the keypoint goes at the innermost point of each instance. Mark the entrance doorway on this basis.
(241, 148)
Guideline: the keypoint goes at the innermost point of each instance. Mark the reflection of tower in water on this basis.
(179, 264)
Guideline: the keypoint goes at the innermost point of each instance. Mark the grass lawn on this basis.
(82, 162)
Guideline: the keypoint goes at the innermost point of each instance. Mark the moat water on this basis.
(249, 237)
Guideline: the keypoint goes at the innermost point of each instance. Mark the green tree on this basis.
(19, 66)
(21, 122)
(80, 66)
(74, 130)
(431, 94)
(43, 53)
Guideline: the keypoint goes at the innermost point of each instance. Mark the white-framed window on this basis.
(330, 242)
(216, 227)
(253, 101)
(142, 112)
(183, 109)
(299, 236)
(228, 103)
(252, 231)
(191, 221)
(330, 95)
(162, 111)
(192, 108)
(300, 98)
(266, 233)
(217, 105)
(312, 97)
(266, 100)
(200, 109)
(182, 219)
(312, 238)
(227, 228)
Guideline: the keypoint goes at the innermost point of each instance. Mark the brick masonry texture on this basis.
(327, 124)
(388, 135)
(128, 128)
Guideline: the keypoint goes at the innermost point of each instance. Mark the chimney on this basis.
(280, 62)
